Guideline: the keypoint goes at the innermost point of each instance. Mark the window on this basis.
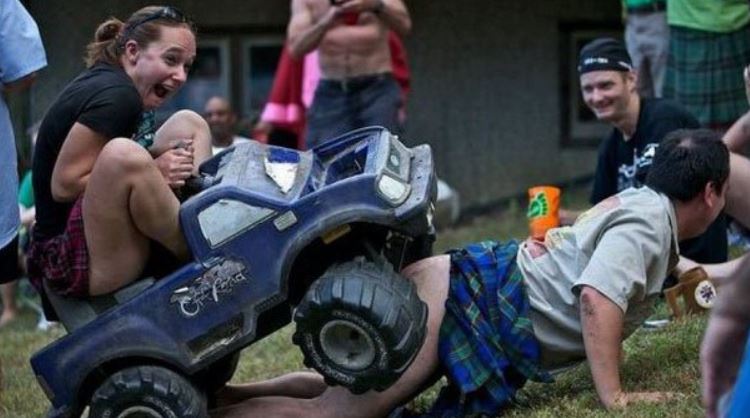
(260, 55)
(239, 67)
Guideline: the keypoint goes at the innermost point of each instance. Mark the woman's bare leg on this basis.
(126, 203)
(431, 278)
(184, 127)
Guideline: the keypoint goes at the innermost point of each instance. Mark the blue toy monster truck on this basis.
(274, 233)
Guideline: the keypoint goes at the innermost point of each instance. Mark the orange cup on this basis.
(542, 213)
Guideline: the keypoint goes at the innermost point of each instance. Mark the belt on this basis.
(654, 7)
(355, 83)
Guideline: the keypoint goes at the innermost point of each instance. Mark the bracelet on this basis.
(379, 6)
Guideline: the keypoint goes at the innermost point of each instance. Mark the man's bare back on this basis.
(351, 36)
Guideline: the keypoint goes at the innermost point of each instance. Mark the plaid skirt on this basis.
(63, 260)
(704, 74)
(487, 344)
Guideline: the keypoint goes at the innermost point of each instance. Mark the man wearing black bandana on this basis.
(609, 89)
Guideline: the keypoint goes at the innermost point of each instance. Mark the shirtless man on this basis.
(357, 87)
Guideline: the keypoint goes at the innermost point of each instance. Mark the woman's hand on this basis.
(176, 164)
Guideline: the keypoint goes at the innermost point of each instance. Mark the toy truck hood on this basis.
(283, 174)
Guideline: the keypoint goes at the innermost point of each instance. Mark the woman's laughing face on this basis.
(161, 68)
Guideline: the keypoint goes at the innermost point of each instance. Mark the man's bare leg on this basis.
(10, 307)
(126, 203)
(431, 278)
(304, 385)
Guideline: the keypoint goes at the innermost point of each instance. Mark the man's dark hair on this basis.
(687, 160)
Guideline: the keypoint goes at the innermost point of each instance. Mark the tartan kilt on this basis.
(62, 260)
(487, 345)
(704, 73)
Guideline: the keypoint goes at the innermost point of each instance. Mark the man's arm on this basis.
(304, 34)
(726, 334)
(719, 273)
(602, 321)
(396, 16)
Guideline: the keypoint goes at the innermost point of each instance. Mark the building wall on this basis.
(485, 79)
(487, 92)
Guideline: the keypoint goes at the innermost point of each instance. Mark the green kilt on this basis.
(704, 73)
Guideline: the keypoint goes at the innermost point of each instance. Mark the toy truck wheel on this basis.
(219, 373)
(147, 391)
(360, 325)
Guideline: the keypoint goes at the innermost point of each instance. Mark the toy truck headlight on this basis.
(393, 190)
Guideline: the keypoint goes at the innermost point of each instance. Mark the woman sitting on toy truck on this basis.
(105, 183)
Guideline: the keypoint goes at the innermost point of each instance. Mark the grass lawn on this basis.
(666, 359)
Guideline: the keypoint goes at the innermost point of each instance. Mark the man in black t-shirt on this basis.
(608, 85)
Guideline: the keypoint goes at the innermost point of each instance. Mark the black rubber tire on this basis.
(147, 391)
(363, 298)
(218, 374)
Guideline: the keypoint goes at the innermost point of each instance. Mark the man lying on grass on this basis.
(503, 313)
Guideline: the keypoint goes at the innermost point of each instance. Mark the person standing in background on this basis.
(357, 86)
(708, 49)
(283, 119)
(21, 56)
(647, 40)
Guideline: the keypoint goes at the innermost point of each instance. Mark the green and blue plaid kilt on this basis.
(704, 74)
(487, 345)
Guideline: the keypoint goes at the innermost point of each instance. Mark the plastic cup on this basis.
(542, 213)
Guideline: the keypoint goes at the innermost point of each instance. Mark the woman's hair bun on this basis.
(108, 30)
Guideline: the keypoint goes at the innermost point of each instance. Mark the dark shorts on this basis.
(341, 106)
(63, 261)
(9, 261)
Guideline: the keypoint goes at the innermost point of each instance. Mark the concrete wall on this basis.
(486, 92)
(486, 83)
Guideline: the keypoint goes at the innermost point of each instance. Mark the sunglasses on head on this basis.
(166, 13)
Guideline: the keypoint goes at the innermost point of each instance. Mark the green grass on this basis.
(663, 360)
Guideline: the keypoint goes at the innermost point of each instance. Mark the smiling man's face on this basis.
(608, 93)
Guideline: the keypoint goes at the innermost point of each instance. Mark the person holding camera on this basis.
(357, 87)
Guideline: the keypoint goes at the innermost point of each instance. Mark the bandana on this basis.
(604, 54)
